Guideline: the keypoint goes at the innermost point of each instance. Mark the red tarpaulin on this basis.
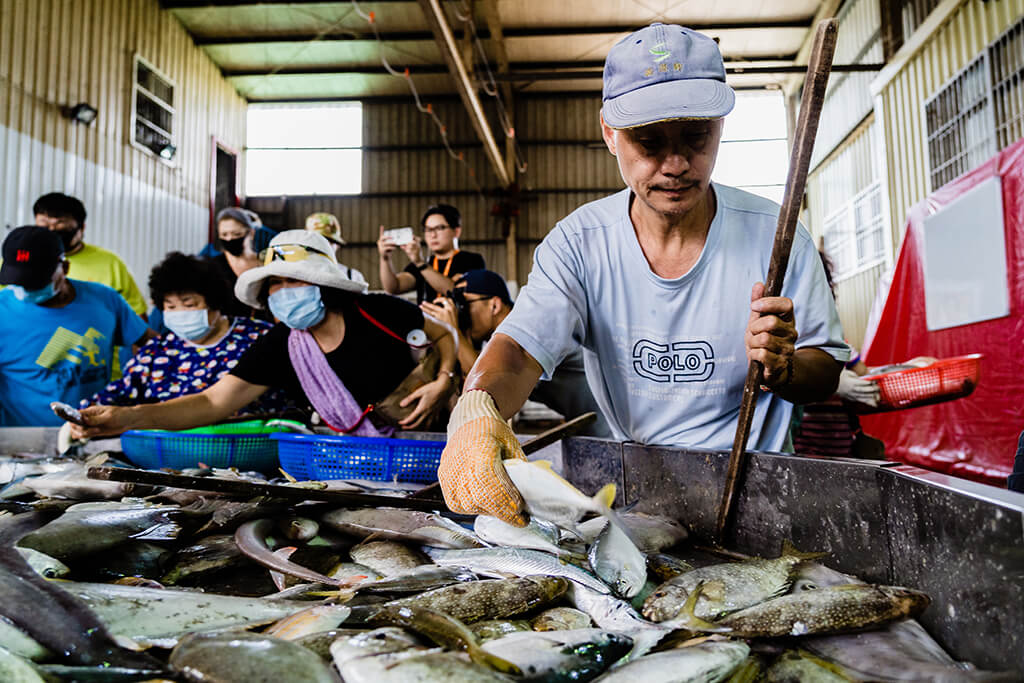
(973, 437)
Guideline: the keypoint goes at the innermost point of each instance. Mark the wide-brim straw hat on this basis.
(320, 268)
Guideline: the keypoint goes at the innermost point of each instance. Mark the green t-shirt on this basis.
(96, 264)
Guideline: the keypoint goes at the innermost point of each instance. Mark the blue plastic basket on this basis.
(357, 457)
(247, 446)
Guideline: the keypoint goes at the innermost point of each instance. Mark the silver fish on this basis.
(44, 565)
(561, 656)
(251, 540)
(652, 533)
(388, 558)
(248, 657)
(15, 669)
(87, 529)
(515, 562)
(707, 662)
(410, 665)
(613, 614)
(550, 497)
(162, 615)
(560, 619)
(402, 525)
(618, 562)
(427, 577)
(537, 535)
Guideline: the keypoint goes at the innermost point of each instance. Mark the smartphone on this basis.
(67, 413)
(399, 236)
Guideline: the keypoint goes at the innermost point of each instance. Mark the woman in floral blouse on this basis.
(202, 345)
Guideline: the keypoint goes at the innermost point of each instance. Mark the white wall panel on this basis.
(137, 220)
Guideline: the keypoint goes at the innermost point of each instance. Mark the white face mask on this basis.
(191, 324)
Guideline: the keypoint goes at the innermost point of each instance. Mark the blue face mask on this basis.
(297, 307)
(191, 324)
(34, 296)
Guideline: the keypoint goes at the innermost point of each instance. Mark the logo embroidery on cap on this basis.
(22, 256)
(660, 52)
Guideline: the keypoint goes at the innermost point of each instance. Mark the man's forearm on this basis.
(439, 282)
(815, 377)
(505, 371)
(467, 354)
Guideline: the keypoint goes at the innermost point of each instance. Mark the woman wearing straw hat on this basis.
(337, 349)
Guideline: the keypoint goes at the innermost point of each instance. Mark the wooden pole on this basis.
(816, 81)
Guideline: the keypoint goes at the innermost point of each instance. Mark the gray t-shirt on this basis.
(665, 359)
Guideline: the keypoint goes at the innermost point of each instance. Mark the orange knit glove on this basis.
(471, 474)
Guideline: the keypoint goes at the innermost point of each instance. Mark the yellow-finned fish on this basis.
(551, 498)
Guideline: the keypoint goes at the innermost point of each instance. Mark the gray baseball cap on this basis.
(664, 72)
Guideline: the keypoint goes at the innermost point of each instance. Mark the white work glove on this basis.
(853, 388)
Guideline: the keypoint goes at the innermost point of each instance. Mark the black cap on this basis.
(487, 283)
(31, 254)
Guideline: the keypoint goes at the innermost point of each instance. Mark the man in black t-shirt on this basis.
(442, 226)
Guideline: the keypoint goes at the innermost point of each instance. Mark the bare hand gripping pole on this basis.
(818, 69)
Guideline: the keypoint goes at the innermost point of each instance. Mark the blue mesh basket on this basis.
(357, 457)
(246, 445)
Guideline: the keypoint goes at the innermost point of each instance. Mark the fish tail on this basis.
(688, 619)
(606, 496)
(485, 658)
(790, 550)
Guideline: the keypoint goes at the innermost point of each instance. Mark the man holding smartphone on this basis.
(442, 226)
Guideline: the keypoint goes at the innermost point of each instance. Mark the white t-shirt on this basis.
(666, 359)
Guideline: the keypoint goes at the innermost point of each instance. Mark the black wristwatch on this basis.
(423, 266)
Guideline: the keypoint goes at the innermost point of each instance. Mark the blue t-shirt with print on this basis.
(59, 354)
(168, 367)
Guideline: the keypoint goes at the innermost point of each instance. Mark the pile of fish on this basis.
(104, 581)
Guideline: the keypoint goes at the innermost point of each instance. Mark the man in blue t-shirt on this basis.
(57, 335)
(660, 284)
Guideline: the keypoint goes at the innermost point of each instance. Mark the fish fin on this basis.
(167, 531)
(485, 658)
(606, 496)
(790, 550)
(278, 577)
(688, 619)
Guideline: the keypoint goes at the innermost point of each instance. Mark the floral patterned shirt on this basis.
(168, 367)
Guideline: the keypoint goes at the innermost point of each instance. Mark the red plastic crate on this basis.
(943, 380)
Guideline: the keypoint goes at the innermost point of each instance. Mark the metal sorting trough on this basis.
(960, 542)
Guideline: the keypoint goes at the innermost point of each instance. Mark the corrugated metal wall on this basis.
(567, 165)
(900, 103)
(55, 53)
(847, 172)
(849, 96)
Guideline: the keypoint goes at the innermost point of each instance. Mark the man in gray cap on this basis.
(661, 284)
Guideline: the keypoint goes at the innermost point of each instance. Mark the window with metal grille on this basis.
(979, 111)
(152, 116)
(854, 233)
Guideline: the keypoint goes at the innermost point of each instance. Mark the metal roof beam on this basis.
(345, 35)
(520, 76)
(465, 86)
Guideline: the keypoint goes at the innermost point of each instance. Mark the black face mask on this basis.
(67, 237)
(234, 247)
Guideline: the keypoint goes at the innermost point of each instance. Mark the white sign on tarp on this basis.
(965, 259)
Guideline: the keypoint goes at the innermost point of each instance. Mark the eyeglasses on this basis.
(436, 228)
(291, 253)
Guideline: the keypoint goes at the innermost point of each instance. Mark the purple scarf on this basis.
(325, 390)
